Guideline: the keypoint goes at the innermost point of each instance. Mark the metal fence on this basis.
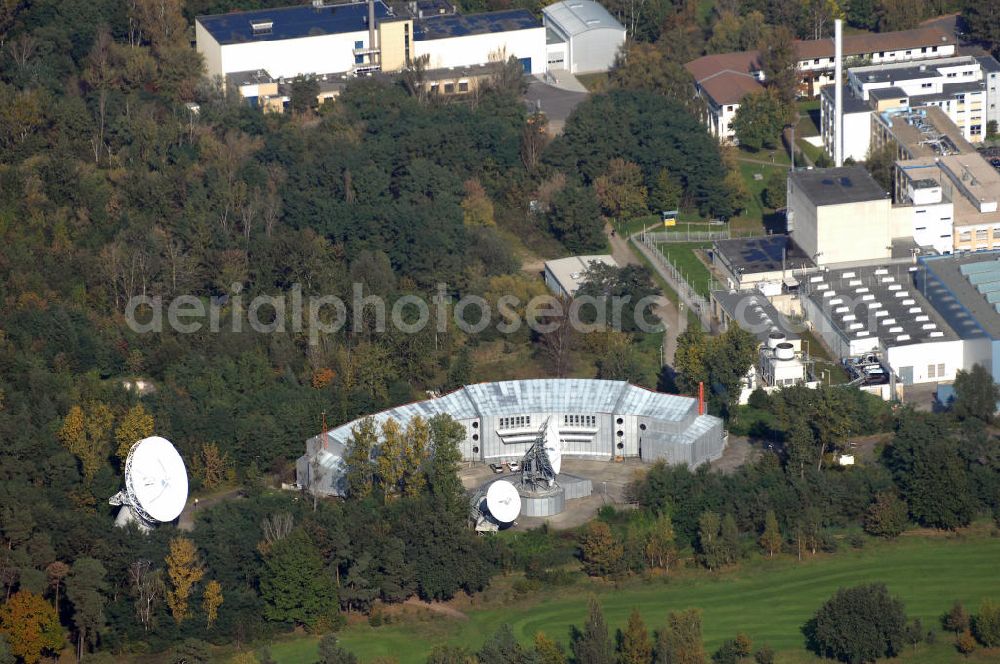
(665, 237)
(675, 278)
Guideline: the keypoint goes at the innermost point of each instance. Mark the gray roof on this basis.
(988, 63)
(754, 313)
(882, 302)
(513, 397)
(966, 306)
(838, 186)
(754, 255)
(579, 16)
(464, 25)
(892, 92)
(852, 103)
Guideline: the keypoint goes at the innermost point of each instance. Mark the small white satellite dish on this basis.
(553, 444)
(156, 484)
(503, 501)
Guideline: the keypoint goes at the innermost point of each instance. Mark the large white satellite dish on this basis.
(156, 484)
(553, 444)
(503, 501)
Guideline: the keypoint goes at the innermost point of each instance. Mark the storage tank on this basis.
(774, 339)
(784, 351)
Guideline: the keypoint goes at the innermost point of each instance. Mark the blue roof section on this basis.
(291, 22)
(458, 25)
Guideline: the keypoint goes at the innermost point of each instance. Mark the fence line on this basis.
(666, 237)
(675, 278)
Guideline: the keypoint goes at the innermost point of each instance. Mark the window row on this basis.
(935, 371)
(515, 422)
(585, 420)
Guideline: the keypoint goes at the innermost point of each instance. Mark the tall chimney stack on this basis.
(838, 93)
(371, 31)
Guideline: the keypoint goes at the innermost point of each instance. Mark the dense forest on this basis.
(113, 186)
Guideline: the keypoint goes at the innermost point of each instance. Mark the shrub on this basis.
(987, 624)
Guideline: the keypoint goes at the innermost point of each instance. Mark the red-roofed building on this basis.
(723, 79)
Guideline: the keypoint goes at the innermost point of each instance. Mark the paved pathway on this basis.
(624, 254)
(555, 102)
(186, 519)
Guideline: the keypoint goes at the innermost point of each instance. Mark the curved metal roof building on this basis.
(598, 419)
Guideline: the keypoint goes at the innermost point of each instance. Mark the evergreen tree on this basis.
(85, 588)
(593, 645)
(729, 536)
(502, 648)
(330, 652)
(575, 219)
(689, 360)
(294, 584)
(886, 516)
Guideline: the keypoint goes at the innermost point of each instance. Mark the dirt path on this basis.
(186, 520)
(437, 607)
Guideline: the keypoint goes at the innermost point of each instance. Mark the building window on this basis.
(982, 234)
(816, 61)
(935, 370)
(952, 74)
(965, 236)
(927, 85)
(359, 59)
(463, 86)
(449, 88)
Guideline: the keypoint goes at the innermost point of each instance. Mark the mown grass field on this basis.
(694, 270)
(768, 600)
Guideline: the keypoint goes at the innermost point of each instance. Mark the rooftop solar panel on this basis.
(982, 266)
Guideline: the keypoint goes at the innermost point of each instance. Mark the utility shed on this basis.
(584, 34)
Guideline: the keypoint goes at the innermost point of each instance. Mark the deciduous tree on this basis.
(31, 626)
(184, 571)
(360, 470)
(859, 624)
(601, 552)
(621, 191)
(976, 395)
(636, 646)
(134, 426)
(477, 208)
(759, 120)
(771, 539)
(886, 516)
(211, 601)
(679, 641)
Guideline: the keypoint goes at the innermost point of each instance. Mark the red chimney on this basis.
(701, 398)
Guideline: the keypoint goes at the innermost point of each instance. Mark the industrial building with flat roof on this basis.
(564, 276)
(336, 41)
(768, 263)
(597, 419)
(881, 309)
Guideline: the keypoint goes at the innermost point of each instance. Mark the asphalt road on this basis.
(555, 102)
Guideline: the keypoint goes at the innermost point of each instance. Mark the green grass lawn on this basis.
(808, 118)
(756, 217)
(695, 272)
(768, 600)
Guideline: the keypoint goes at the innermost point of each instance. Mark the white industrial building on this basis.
(881, 310)
(768, 264)
(582, 37)
(723, 79)
(362, 37)
(780, 361)
(838, 215)
(965, 90)
(596, 419)
(564, 276)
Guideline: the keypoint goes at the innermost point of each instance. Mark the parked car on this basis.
(514, 466)
(496, 468)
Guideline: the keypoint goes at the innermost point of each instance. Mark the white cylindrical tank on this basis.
(774, 339)
(784, 351)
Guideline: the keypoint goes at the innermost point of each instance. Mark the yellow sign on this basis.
(670, 221)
